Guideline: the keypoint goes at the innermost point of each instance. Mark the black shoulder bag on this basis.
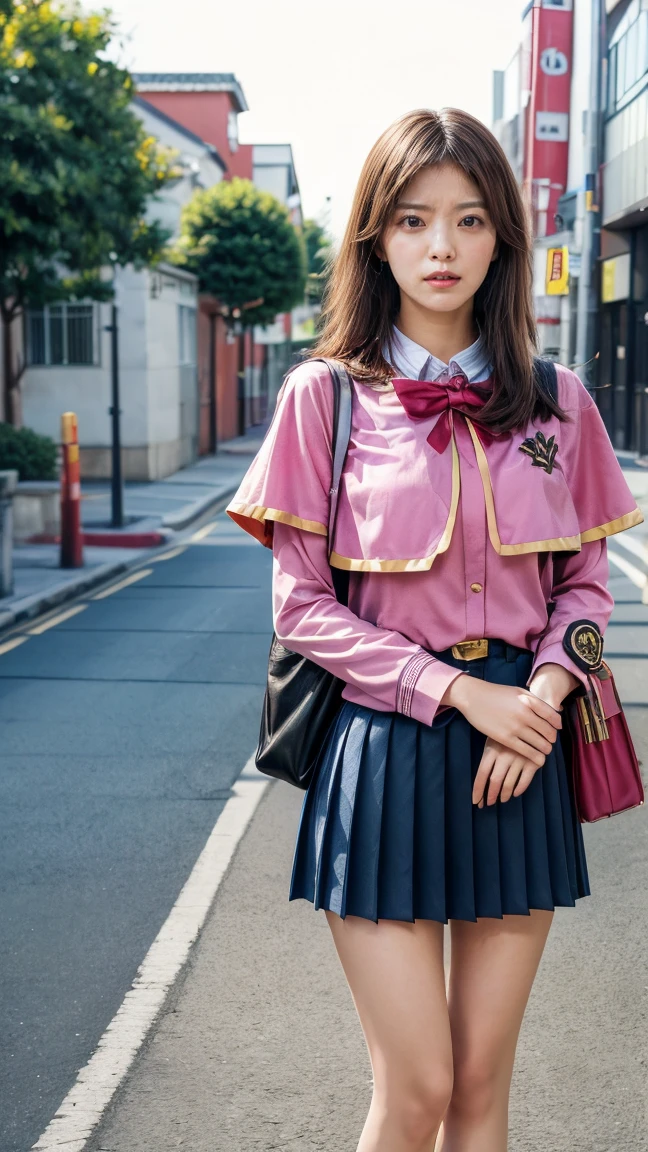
(302, 698)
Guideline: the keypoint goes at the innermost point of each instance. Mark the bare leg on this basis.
(395, 972)
(493, 966)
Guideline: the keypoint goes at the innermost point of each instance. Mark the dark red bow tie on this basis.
(423, 398)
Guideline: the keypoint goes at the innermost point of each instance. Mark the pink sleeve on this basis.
(580, 592)
(394, 673)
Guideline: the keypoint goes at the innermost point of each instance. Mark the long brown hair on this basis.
(363, 297)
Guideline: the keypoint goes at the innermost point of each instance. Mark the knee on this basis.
(476, 1086)
(418, 1108)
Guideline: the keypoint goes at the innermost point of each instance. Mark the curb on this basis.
(42, 602)
(176, 521)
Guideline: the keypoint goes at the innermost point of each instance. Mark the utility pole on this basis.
(587, 300)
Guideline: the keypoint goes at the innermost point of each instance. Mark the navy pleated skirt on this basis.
(388, 828)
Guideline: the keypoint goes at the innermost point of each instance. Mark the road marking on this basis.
(9, 645)
(169, 555)
(202, 532)
(83, 1107)
(38, 629)
(637, 577)
(123, 584)
(633, 545)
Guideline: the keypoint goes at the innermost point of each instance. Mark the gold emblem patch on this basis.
(543, 452)
(584, 643)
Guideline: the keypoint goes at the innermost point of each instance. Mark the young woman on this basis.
(442, 793)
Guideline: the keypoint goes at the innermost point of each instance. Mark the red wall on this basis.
(205, 113)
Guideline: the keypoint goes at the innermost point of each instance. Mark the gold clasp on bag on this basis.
(470, 649)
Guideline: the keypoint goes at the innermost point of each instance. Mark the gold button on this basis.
(476, 587)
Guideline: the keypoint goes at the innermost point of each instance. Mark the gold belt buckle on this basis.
(470, 649)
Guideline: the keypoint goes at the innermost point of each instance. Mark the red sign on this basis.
(549, 43)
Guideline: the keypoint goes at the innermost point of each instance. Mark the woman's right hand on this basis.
(512, 715)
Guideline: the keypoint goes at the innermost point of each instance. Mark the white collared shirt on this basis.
(416, 363)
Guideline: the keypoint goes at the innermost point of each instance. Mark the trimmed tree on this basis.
(76, 166)
(319, 251)
(241, 244)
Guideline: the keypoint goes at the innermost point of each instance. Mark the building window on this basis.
(64, 334)
(187, 334)
(232, 131)
(628, 59)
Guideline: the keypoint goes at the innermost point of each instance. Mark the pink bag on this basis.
(605, 768)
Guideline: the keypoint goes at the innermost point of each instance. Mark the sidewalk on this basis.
(258, 1046)
(167, 507)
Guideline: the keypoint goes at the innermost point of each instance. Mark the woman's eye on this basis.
(411, 221)
(477, 218)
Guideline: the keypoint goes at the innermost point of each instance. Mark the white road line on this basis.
(168, 555)
(123, 584)
(38, 629)
(202, 532)
(637, 577)
(96, 1084)
(9, 645)
(633, 544)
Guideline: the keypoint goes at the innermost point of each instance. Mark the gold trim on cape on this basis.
(424, 563)
(257, 512)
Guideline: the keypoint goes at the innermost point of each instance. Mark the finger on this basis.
(528, 751)
(552, 715)
(495, 783)
(498, 774)
(483, 772)
(524, 781)
(512, 776)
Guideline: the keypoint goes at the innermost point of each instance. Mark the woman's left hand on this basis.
(501, 773)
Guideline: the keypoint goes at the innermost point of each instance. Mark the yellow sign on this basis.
(557, 271)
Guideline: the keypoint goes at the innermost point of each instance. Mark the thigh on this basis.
(493, 966)
(395, 972)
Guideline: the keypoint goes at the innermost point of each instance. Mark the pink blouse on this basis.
(444, 579)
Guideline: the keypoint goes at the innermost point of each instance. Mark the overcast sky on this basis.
(328, 77)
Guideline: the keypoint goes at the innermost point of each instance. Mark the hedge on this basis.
(34, 456)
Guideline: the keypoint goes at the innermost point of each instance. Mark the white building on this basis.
(68, 348)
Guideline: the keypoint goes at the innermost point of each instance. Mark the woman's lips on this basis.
(442, 281)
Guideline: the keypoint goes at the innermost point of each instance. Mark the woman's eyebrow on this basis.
(426, 207)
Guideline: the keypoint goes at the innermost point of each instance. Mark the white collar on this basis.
(416, 363)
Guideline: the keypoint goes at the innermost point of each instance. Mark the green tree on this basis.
(242, 246)
(76, 166)
(319, 248)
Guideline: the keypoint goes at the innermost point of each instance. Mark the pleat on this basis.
(388, 829)
(429, 823)
(460, 864)
(395, 866)
(335, 811)
(314, 811)
(510, 820)
(360, 897)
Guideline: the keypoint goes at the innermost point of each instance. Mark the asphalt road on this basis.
(259, 1047)
(121, 731)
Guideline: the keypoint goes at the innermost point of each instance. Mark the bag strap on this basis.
(342, 408)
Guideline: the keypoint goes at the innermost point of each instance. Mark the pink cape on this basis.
(398, 496)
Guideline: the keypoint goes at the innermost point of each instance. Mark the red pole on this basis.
(71, 538)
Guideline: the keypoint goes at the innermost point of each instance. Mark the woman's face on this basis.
(440, 224)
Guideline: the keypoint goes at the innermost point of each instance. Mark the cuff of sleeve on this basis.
(423, 682)
(554, 653)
